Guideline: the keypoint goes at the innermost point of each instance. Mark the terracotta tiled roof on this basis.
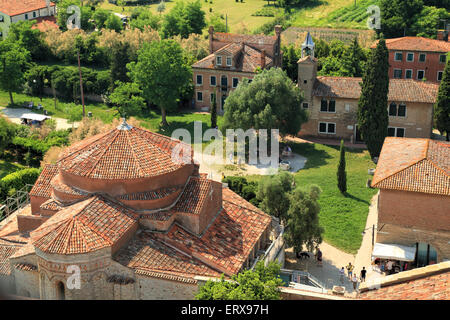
(247, 38)
(6, 251)
(147, 253)
(121, 154)
(149, 195)
(416, 44)
(249, 60)
(194, 196)
(434, 287)
(15, 7)
(26, 267)
(84, 227)
(420, 165)
(403, 90)
(58, 185)
(179, 255)
(42, 187)
(230, 49)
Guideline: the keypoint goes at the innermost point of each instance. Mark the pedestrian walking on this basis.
(363, 274)
(319, 257)
(342, 275)
(355, 281)
(350, 270)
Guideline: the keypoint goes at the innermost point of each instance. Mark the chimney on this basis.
(278, 29)
(263, 58)
(442, 35)
(277, 49)
(211, 35)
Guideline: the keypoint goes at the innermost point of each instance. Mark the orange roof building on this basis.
(232, 57)
(413, 176)
(122, 210)
(12, 11)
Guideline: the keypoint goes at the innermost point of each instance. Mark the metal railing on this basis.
(297, 275)
(16, 202)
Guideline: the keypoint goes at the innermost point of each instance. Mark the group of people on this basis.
(352, 276)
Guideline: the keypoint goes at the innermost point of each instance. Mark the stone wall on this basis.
(159, 289)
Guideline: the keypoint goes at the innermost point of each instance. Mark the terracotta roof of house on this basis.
(52, 205)
(419, 165)
(248, 62)
(15, 7)
(86, 226)
(416, 44)
(149, 195)
(42, 186)
(431, 282)
(247, 38)
(181, 255)
(121, 154)
(45, 23)
(402, 90)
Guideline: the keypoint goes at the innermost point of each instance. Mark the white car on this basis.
(285, 165)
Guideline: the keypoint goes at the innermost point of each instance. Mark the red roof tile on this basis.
(84, 227)
(247, 38)
(403, 90)
(249, 60)
(45, 23)
(419, 165)
(42, 186)
(416, 44)
(16, 7)
(7, 249)
(194, 196)
(121, 154)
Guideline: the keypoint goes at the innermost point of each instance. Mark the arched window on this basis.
(60, 291)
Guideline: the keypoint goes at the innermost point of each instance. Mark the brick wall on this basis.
(158, 289)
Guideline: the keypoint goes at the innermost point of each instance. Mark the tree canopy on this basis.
(162, 73)
(270, 101)
(127, 99)
(184, 19)
(442, 107)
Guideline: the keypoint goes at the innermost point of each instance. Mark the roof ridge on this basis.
(69, 235)
(398, 171)
(437, 167)
(132, 150)
(100, 135)
(103, 153)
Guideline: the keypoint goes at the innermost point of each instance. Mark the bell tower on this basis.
(307, 69)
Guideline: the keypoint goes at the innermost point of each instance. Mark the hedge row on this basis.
(242, 187)
(15, 181)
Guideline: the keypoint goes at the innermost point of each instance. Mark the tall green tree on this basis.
(270, 101)
(303, 228)
(31, 39)
(290, 62)
(127, 99)
(113, 23)
(372, 105)
(13, 63)
(354, 60)
(341, 173)
(442, 107)
(262, 283)
(7, 133)
(429, 20)
(273, 192)
(214, 111)
(162, 73)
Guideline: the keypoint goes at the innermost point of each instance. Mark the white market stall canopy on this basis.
(34, 116)
(394, 252)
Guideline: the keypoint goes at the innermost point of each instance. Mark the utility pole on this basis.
(81, 84)
(226, 22)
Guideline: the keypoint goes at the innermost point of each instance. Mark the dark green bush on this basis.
(17, 180)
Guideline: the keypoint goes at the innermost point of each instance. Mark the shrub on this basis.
(17, 180)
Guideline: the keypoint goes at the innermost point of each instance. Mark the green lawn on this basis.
(342, 217)
(8, 167)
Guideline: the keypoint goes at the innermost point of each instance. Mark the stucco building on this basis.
(413, 176)
(232, 58)
(137, 223)
(418, 58)
(12, 11)
(332, 103)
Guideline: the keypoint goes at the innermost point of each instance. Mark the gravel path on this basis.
(14, 114)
